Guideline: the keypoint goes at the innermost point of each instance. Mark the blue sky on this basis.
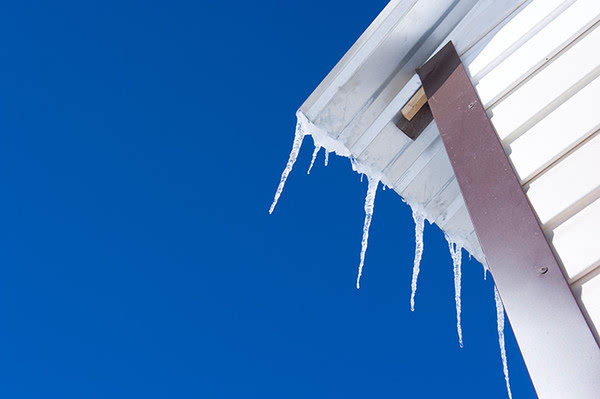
(141, 144)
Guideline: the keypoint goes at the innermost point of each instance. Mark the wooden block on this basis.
(414, 104)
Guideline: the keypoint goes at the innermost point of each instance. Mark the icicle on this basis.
(298, 137)
(485, 269)
(384, 187)
(326, 157)
(361, 177)
(419, 225)
(314, 156)
(500, 319)
(369, 204)
(456, 253)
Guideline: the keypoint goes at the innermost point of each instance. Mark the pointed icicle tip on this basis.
(419, 226)
(298, 137)
(500, 322)
(326, 157)
(456, 253)
(314, 156)
(369, 205)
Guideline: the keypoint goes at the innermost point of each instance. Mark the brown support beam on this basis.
(558, 347)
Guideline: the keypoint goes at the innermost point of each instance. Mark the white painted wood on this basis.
(539, 49)
(384, 147)
(511, 36)
(386, 115)
(547, 89)
(431, 179)
(411, 153)
(483, 19)
(442, 201)
(433, 151)
(461, 227)
(576, 241)
(557, 133)
(559, 192)
(454, 206)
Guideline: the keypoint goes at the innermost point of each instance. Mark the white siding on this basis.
(541, 90)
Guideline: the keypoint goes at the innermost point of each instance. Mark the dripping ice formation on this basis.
(314, 156)
(419, 226)
(322, 139)
(369, 205)
(298, 137)
(500, 322)
(485, 270)
(456, 253)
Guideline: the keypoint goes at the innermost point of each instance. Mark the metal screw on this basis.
(471, 105)
(543, 270)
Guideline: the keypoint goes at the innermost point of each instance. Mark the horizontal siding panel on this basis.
(557, 133)
(576, 241)
(548, 88)
(538, 50)
(560, 191)
(510, 36)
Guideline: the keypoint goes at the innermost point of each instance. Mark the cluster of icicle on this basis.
(419, 218)
(371, 190)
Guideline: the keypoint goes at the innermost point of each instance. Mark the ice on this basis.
(456, 253)
(419, 225)
(369, 204)
(314, 156)
(485, 270)
(323, 139)
(500, 319)
(298, 137)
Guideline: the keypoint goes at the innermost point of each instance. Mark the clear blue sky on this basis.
(141, 144)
